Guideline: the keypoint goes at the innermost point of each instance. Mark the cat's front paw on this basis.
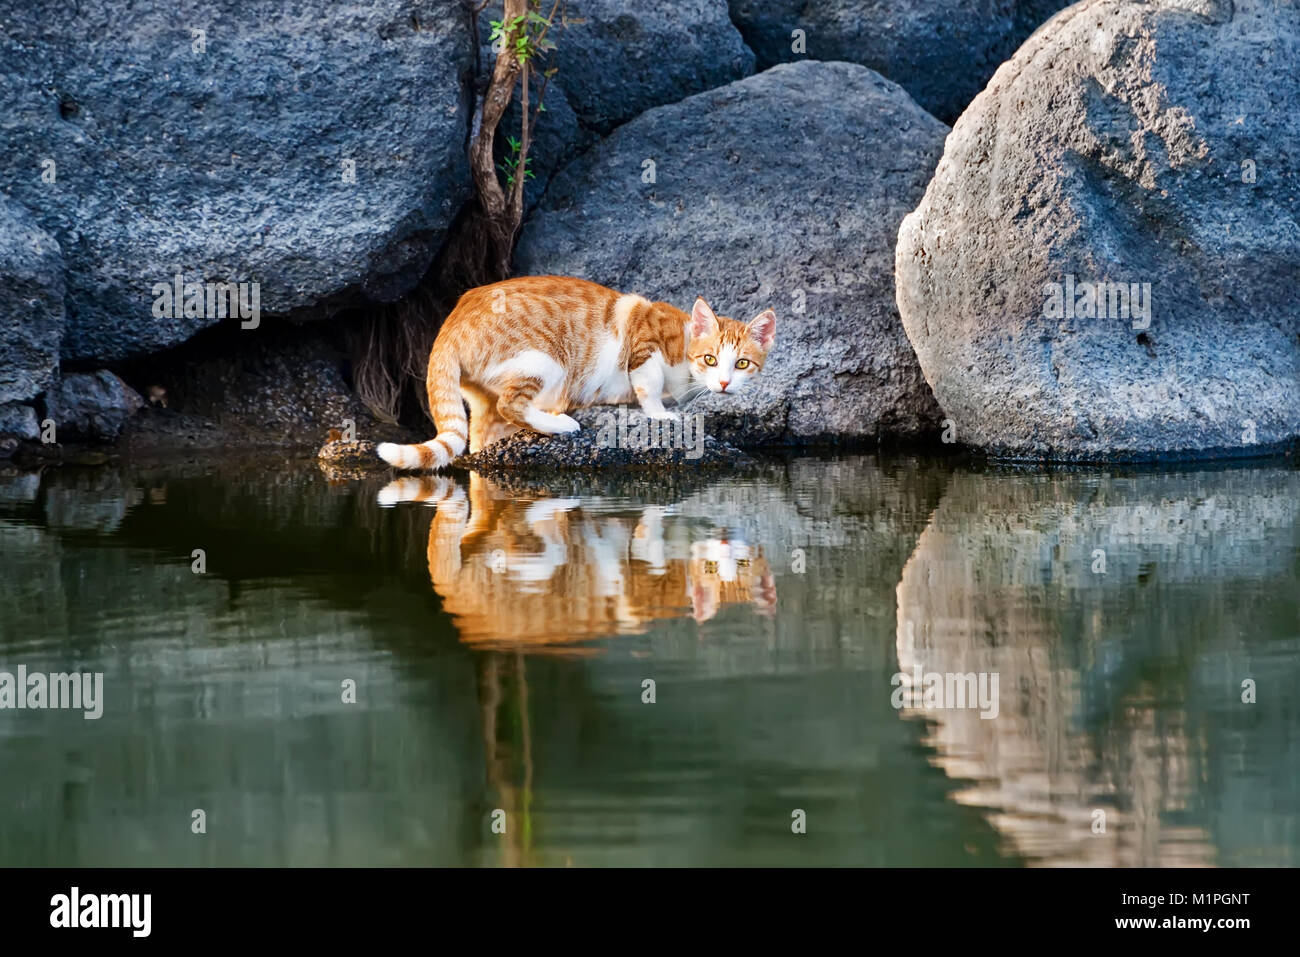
(565, 424)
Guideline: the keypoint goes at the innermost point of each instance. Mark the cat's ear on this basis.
(762, 328)
(703, 321)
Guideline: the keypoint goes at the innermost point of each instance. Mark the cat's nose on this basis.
(723, 384)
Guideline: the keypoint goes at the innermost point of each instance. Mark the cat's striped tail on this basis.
(448, 409)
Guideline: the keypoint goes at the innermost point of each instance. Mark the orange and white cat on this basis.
(523, 352)
(515, 567)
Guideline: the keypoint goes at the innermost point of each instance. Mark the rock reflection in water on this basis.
(1122, 615)
(515, 567)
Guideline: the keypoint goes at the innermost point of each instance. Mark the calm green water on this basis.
(500, 642)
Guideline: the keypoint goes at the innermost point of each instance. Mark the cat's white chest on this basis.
(608, 380)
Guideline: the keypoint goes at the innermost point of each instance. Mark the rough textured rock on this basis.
(1127, 143)
(31, 308)
(18, 420)
(348, 453)
(940, 51)
(342, 460)
(766, 192)
(145, 156)
(17, 423)
(610, 438)
(616, 60)
(90, 406)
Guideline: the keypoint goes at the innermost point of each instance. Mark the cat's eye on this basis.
(711, 567)
(742, 562)
(742, 363)
(710, 361)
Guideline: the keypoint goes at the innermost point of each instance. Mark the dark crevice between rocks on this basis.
(230, 391)
(747, 38)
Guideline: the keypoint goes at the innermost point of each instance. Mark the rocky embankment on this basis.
(187, 261)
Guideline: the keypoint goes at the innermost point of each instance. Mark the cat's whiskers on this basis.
(694, 392)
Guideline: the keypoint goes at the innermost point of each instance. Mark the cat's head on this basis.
(722, 571)
(726, 355)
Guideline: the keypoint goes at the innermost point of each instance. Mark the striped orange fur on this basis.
(604, 573)
(522, 353)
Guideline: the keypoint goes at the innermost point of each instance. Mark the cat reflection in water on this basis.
(511, 568)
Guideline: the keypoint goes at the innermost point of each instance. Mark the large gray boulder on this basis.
(148, 149)
(940, 51)
(31, 308)
(784, 189)
(1152, 146)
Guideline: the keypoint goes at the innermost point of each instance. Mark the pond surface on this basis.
(646, 670)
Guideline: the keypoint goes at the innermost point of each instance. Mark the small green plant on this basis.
(526, 33)
(510, 163)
